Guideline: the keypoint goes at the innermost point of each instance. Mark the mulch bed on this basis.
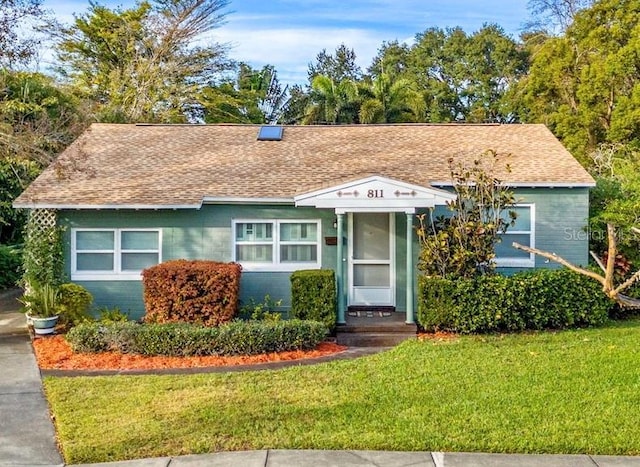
(54, 353)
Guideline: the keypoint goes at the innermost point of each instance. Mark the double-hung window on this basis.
(277, 245)
(113, 254)
(522, 232)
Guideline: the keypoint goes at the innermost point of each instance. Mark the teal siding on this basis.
(125, 295)
(194, 234)
(560, 227)
(561, 217)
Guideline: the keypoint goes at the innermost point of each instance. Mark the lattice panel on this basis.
(41, 221)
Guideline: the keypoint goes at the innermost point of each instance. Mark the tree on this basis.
(140, 64)
(254, 96)
(607, 279)
(554, 16)
(270, 97)
(466, 78)
(297, 104)
(15, 15)
(38, 118)
(392, 59)
(585, 85)
(385, 100)
(332, 102)
(463, 244)
(615, 200)
(338, 67)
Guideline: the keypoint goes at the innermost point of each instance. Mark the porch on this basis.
(374, 327)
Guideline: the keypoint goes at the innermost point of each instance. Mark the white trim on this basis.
(275, 265)
(98, 207)
(382, 209)
(507, 262)
(530, 184)
(352, 292)
(116, 274)
(375, 194)
(240, 200)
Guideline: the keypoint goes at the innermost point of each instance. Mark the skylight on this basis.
(270, 133)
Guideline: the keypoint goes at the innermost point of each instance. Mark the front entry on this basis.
(371, 259)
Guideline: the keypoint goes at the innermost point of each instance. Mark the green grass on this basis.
(565, 392)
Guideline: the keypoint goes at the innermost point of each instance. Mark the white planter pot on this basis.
(43, 326)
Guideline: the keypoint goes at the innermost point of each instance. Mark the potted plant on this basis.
(42, 307)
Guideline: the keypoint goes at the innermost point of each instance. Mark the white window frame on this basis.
(116, 273)
(276, 265)
(530, 262)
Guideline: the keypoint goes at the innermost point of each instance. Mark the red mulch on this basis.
(54, 353)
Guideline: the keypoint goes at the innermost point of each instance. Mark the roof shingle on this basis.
(179, 165)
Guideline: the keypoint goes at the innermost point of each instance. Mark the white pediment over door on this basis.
(375, 193)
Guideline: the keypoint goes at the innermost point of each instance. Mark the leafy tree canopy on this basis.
(141, 64)
(585, 85)
(16, 48)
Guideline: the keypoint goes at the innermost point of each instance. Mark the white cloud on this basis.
(291, 50)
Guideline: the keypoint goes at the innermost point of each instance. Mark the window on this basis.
(522, 232)
(107, 254)
(277, 245)
(270, 133)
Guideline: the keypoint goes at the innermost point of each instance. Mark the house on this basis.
(277, 199)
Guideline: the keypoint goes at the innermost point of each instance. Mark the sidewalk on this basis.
(27, 436)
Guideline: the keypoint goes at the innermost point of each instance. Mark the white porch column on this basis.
(340, 281)
(410, 313)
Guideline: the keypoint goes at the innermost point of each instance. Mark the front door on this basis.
(371, 266)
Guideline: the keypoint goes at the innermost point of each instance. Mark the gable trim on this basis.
(375, 193)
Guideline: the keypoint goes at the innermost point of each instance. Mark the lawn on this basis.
(565, 392)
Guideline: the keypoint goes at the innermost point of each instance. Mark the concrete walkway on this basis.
(27, 436)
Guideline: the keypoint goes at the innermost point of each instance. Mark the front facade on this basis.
(341, 198)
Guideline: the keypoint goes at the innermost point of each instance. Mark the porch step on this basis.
(373, 339)
(371, 328)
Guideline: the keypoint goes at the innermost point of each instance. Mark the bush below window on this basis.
(542, 299)
(182, 340)
(203, 292)
(313, 296)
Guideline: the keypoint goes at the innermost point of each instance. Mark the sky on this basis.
(289, 34)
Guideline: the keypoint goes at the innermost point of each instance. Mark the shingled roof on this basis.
(115, 165)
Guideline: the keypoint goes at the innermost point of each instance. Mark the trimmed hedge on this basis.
(181, 339)
(10, 265)
(202, 292)
(541, 299)
(313, 296)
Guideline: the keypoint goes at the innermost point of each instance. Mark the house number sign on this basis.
(375, 193)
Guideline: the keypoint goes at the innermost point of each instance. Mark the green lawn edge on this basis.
(570, 392)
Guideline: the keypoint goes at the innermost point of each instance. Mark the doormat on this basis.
(369, 314)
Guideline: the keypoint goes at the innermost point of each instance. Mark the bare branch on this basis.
(598, 261)
(628, 283)
(611, 257)
(564, 262)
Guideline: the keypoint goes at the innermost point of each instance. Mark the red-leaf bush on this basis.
(204, 292)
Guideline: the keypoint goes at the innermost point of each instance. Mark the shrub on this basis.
(313, 296)
(265, 310)
(182, 339)
(75, 301)
(112, 315)
(204, 292)
(10, 265)
(542, 299)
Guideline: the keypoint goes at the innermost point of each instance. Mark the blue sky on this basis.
(289, 34)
